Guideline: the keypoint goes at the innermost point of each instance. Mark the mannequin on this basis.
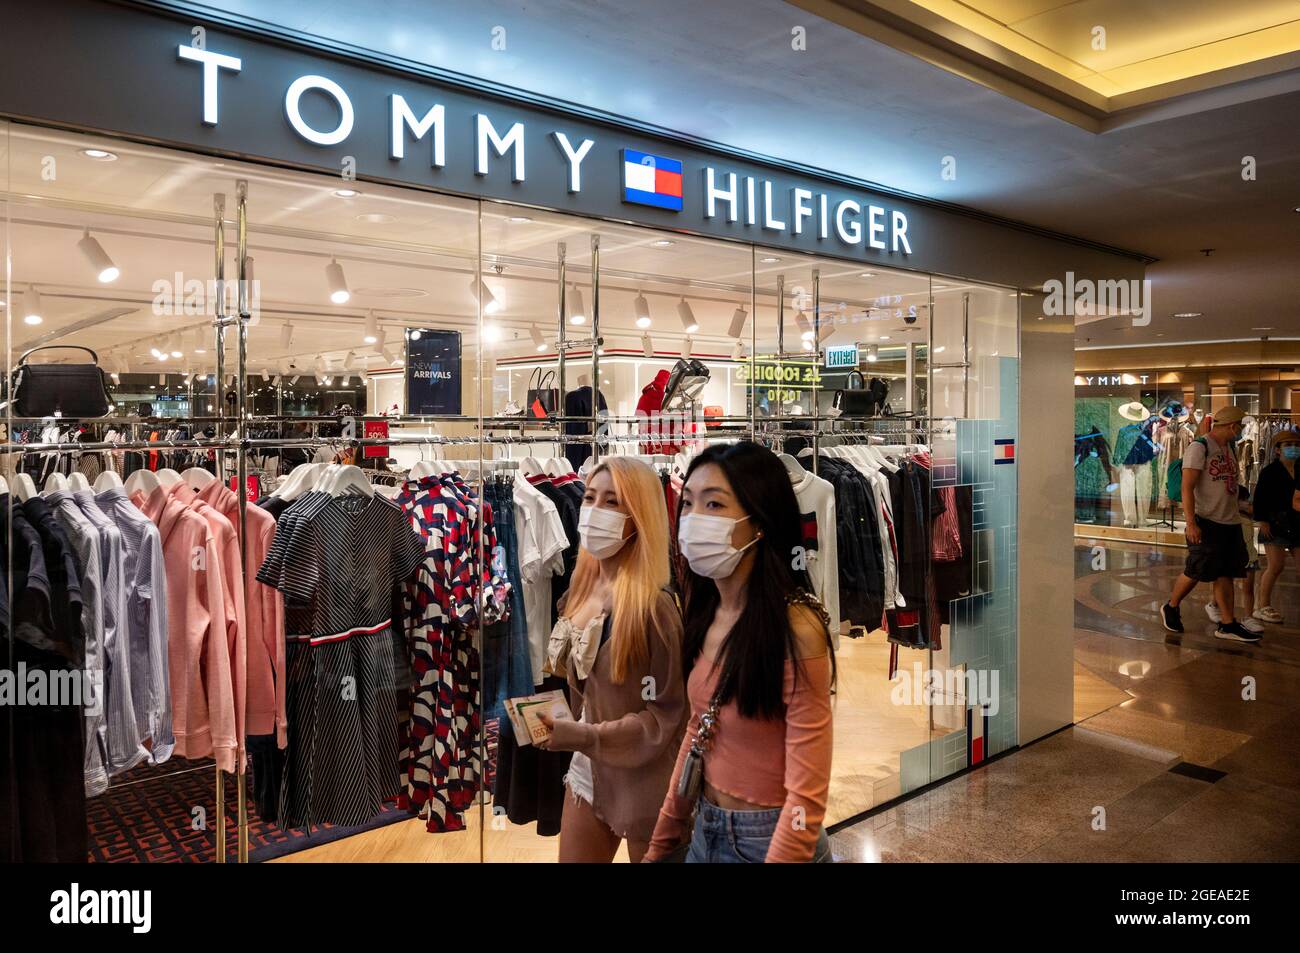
(1134, 450)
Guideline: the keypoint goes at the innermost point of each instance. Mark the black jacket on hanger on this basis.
(577, 403)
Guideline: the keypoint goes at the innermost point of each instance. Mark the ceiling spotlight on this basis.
(663, 242)
(338, 285)
(99, 155)
(641, 308)
(266, 375)
(483, 294)
(1187, 314)
(371, 335)
(519, 219)
(806, 336)
(156, 353)
(286, 334)
(686, 347)
(94, 253)
(538, 340)
(867, 274)
(162, 378)
(688, 316)
(647, 346)
(577, 313)
(175, 347)
(347, 193)
(738, 319)
(388, 355)
(884, 337)
(294, 380)
(769, 260)
(116, 377)
(415, 334)
(32, 305)
(873, 353)
(738, 351)
(348, 360)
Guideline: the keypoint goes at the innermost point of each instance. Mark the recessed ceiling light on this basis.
(375, 218)
(770, 260)
(99, 155)
(663, 242)
(1187, 314)
(519, 219)
(867, 274)
(1263, 329)
(347, 193)
(884, 337)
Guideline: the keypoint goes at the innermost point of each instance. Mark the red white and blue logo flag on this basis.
(1004, 451)
(652, 180)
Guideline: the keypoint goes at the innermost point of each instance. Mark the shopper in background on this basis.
(1216, 551)
(1272, 507)
(757, 753)
(619, 643)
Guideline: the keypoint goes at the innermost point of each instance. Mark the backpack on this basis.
(1174, 480)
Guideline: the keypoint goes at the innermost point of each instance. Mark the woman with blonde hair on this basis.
(619, 644)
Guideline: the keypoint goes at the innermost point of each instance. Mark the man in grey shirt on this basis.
(1216, 549)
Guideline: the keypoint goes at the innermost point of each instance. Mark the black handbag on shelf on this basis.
(865, 400)
(543, 399)
(59, 390)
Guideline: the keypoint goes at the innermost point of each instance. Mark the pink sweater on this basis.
(265, 618)
(198, 653)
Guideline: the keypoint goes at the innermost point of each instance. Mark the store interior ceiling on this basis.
(407, 258)
(1192, 91)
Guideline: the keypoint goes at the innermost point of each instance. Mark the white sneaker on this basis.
(1212, 610)
(1252, 625)
(1268, 614)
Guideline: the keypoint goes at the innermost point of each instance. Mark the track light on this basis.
(738, 319)
(641, 308)
(32, 305)
(266, 375)
(483, 295)
(294, 380)
(538, 341)
(372, 328)
(104, 268)
(688, 316)
(388, 355)
(175, 346)
(348, 360)
(286, 334)
(738, 351)
(338, 284)
(577, 312)
(686, 347)
(873, 353)
(647, 346)
(162, 378)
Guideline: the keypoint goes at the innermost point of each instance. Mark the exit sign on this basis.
(845, 355)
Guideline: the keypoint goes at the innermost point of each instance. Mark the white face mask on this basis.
(600, 530)
(705, 541)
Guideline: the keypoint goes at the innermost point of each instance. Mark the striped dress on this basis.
(339, 562)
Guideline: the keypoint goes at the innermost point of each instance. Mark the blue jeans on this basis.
(739, 837)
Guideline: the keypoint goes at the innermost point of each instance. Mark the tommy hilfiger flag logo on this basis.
(652, 180)
(1004, 450)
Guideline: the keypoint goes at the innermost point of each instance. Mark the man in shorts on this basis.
(1216, 551)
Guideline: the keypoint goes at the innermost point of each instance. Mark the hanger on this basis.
(107, 480)
(531, 467)
(196, 478)
(422, 469)
(78, 481)
(350, 480)
(4, 486)
(54, 483)
(24, 488)
(301, 479)
(168, 477)
(143, 481)
(555, 467)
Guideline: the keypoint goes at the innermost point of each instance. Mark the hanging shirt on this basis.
(542, 546)
(816, 497)
(145, 584)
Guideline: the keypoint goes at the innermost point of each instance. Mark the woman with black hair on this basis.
(755, 763)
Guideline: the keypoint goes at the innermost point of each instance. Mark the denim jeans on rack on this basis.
(507, 668)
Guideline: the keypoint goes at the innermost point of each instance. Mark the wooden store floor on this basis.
(870, 732)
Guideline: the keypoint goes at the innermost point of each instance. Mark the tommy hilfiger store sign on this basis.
(151, 73)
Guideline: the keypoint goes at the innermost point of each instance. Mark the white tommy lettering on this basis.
(512, 142)
(403, 118)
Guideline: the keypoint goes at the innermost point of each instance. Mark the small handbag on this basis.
(60, 390)
(867, 400)
(542, 397)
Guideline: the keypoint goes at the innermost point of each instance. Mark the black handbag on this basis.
(543, 399)
(60, 390)
(866, 400)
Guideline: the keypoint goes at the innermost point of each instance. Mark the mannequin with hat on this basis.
(1135, 448)
(1216, 548)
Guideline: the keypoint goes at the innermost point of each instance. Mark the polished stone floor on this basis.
(1184, 749)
